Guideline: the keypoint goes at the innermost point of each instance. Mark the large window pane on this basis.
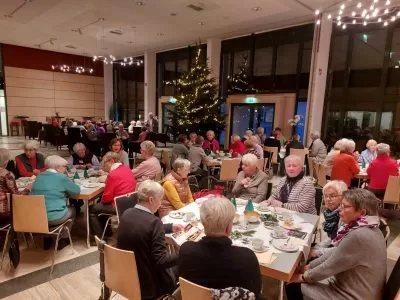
(393, 80)
(286, 67)
(239, 59)
(338, 62)
(182, 67)
(169, 78)
(263, 68)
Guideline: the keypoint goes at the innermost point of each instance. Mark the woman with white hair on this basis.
(345, 165)
(328, 162)
(211, 144)
(30, 162)
(237, 147)
(213, 261)
(121, 132)
(380, 169)
(251, 183)
(317, 148)
(130, 127)
(294, 191)
(252, 147)
(82, 158)
(177, 192)
(369, 154)
(150, 166)
(55, 186)
(7, 186)
(147, 241)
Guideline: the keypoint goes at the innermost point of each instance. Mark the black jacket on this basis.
(271, 142)
(144, 234)
(294, 145)
(214, 263)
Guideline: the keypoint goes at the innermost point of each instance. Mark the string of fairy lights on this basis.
(365, 12)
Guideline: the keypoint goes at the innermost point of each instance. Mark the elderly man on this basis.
(214, 262)
(317, 148)
(82, 158)
(380, 169)
(198, 158)
(294, 144)
(180, 149)
(147, 241)
(151, 123)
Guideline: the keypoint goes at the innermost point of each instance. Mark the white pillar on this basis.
(108, 89)
(150, 100)
(214, 57)
(318, 74)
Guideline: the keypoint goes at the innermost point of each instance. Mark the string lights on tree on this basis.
(365, 12)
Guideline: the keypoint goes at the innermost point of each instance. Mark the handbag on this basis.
(13, 251)
(218, 190)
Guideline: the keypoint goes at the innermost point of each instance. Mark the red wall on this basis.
(37, 59)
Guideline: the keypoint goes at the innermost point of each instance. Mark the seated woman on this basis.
(91, 133)
(131, 126)
(55, 186)
(237, 147)
(253, 147)
(144, 133)
(150, 166)
(328, 162)
(211, 144)
(82, 158)
(30, 162)
(147, 241)
(356, 267)
(294, 191)
(214, 262)
(177, 192)
(369, 154)
(345, 165)
(251, 183)
(117, 147)
(120, 181)
(122, 133)
(7, 185)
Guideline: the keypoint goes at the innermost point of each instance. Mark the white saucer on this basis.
(176, 215)
(279, 237)
(289, 247)
(264, 249)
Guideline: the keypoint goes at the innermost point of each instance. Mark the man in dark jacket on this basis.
(143, 233)
(294, 144)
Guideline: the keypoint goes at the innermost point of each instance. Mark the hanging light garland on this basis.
(72, 68)
(110, 59)
(130, 61)
(366, 12)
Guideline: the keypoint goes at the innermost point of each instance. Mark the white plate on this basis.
(176, 215)
(289, 247)
(90, 185)
(278, 237)
(294, 226)
(263, 208)
(264, 249)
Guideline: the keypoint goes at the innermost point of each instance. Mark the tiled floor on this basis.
(76, 274)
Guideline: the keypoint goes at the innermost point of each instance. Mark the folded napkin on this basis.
(266, 258)
(298, 242)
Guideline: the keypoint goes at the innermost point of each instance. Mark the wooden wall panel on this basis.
(30, 83)
(75, 87)
(61, 103)
(84, 96)
(37, 102)
(29, 92)
(28, 73)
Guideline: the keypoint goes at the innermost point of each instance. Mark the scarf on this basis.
(288, 186)
(331, 222)
(179, 177)
(366, 221)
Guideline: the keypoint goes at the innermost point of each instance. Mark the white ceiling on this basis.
(150, 26)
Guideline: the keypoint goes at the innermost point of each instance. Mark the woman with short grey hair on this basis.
(328, 162)
(177, 192)
(369, 154)
(317, 148)
(30, 162)
(82, 158)
(150, 167)
(345, 166)
(251, 183)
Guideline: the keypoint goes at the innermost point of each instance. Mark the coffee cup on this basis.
(188, 217)
(279, 231)
(258, 244)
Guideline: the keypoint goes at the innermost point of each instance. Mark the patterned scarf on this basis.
(331, 222)
(366, 221)
(288, 186)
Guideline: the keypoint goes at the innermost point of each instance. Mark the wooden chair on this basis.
(274, 151)
(228, 172)
(29, 215)
(5, 228)
(261, 164)
(122, 203)
(165, 160)
(321, 174)
(392, 192)
(192, 291)
(118, 272)
(158, 176)
(300, 153)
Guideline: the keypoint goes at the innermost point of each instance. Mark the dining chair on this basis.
(29, 215)
(321, 174)
(118, 272)
(392, 287)
(300, 153)
(274, 151)
(228, 172)
(261, 164)
(392, 192)
(7, 229)
(123, 203)
(158, 176)
(192, 291)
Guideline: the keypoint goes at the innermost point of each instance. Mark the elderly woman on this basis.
(91, 133)
(328, 162)
(55, 186)
(214, 262)
(294, 191)
(120, 181)
(117, 147)
(211, 144)
(150, 166)
(30, 162)
(147, 241)
(369, 154)
(317, 148)
(82, 158)
(7, 185)
(110, 128)
(356, 267)
(237, 147)
(345, 165)
(131, 126)
(121, 132)
(251, 183)
(177, 192)
(253, 147)
(261, 134)
(380, 169)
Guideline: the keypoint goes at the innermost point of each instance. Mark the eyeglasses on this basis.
(342, 206)
(332, 196)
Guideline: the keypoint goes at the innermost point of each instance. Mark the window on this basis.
(394, 64)
(169, 79)
(263, 59)
(286, 66)
(239, 59)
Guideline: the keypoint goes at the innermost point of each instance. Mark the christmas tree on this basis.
(197, 106)
(240, 83)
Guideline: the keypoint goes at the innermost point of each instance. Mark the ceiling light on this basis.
(340, 12)
(359, 5)
(376, 1)
(342, 6)
(318, 22)
(396, 67)
(380, 20)
(371, 7)
(317, 12)
(387, 2)
(386, 11)
(354, 21)
(202, 23)
(256, 8)
(353, 13)
(329, 16)
(172, 14)
(385, 24)
(344, 26)
(365, 23)
(140, 3)
(398, 14)
(393, 19)
(338, 17)
(339, 23)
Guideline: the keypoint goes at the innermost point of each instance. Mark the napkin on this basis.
(298, 242)
(266, 258)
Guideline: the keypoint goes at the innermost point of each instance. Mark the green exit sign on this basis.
(250, 100)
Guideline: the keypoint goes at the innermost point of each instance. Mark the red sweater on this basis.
(22, 170)
(345, 167)
(237, 147)
(379, 171)
(119, 182)
(213, 145)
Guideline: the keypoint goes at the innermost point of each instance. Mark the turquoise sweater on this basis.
(54, 187)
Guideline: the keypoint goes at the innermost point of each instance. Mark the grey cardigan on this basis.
(256, 190)
(356, 269)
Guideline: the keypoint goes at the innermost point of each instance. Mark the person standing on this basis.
(152, 123)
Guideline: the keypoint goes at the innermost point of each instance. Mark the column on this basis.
(318, 75)
(214, 57)
(108, 90)
(150, 85)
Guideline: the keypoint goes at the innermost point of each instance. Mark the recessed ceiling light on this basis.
(256, 8)
(202, 23)
(160, 34)
(140, 3)
(130, 42)
(172, 14)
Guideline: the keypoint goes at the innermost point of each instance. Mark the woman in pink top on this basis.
(150, 167)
